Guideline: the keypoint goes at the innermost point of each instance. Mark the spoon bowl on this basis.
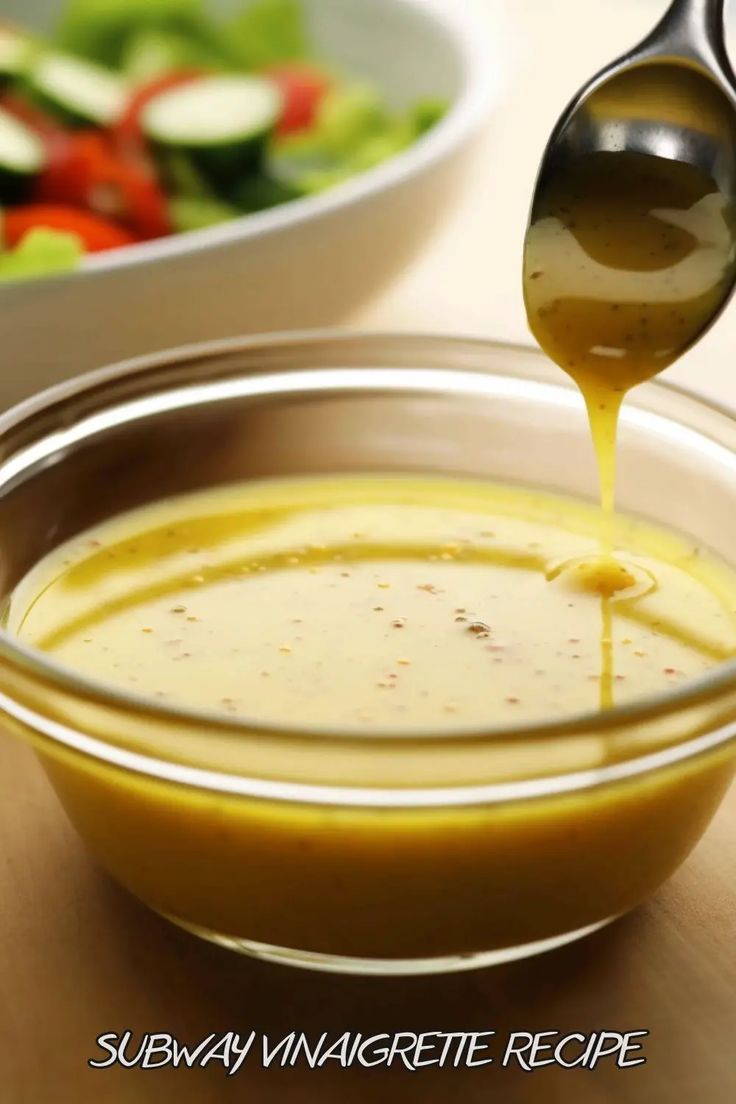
(660, 107)
(671, 96)
(630, 253)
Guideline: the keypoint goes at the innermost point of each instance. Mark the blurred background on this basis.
(550, 48)
(427, 240)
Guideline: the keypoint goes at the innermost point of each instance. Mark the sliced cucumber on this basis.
(16, 51)
(221, 122)
(22, 157)
(259, 191)
(81, 92)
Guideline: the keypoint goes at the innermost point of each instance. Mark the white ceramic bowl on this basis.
(307, 263)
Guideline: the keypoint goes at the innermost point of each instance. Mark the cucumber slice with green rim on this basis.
(259, 191)
(82, 93)
(221, 122)
(22, 157)
(15, 54)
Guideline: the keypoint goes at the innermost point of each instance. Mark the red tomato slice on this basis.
(302, 89)
(96, 233)
(86, 170)
(66, 178)
(127, 189)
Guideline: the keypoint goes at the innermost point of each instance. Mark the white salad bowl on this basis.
(309, 262)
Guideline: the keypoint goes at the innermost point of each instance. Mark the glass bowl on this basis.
(375, 853)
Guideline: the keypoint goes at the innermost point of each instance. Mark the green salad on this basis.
(144, 118)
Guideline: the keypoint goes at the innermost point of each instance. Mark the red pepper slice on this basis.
(45, 126)
(127, 189)
(66, 177)
(303, 89)
(85, 170)
(97, 234)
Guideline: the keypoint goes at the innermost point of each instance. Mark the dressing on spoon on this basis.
(626, 262)
(627, 259)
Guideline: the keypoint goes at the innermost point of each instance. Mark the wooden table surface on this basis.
(79, 957)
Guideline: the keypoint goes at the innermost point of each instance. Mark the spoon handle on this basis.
(697, 24)
(700, 10)
(693, 29)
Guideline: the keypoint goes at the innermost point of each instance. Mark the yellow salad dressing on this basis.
(376, 602)
(368, 605)
(625, 264)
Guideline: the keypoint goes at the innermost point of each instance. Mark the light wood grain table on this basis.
(79, 957)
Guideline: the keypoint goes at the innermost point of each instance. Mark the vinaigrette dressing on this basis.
(377, 602)
(625, 264)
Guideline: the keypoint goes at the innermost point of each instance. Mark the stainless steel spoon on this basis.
(671, 97)
(685, 58)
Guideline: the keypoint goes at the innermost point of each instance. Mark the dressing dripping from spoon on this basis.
(630, 252)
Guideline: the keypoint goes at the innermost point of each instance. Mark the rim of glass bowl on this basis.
(382, 349)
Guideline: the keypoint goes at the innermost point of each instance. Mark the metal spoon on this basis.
(685, 56)
(673, 97)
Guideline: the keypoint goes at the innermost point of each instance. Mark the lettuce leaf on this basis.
(154, 52)
(269, 31)
(41, 252)
(354, 131)
(348, 115)
(198, 212)
(427, 113)
(102, 30)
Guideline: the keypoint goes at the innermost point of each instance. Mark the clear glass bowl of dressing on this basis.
(365, 851)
